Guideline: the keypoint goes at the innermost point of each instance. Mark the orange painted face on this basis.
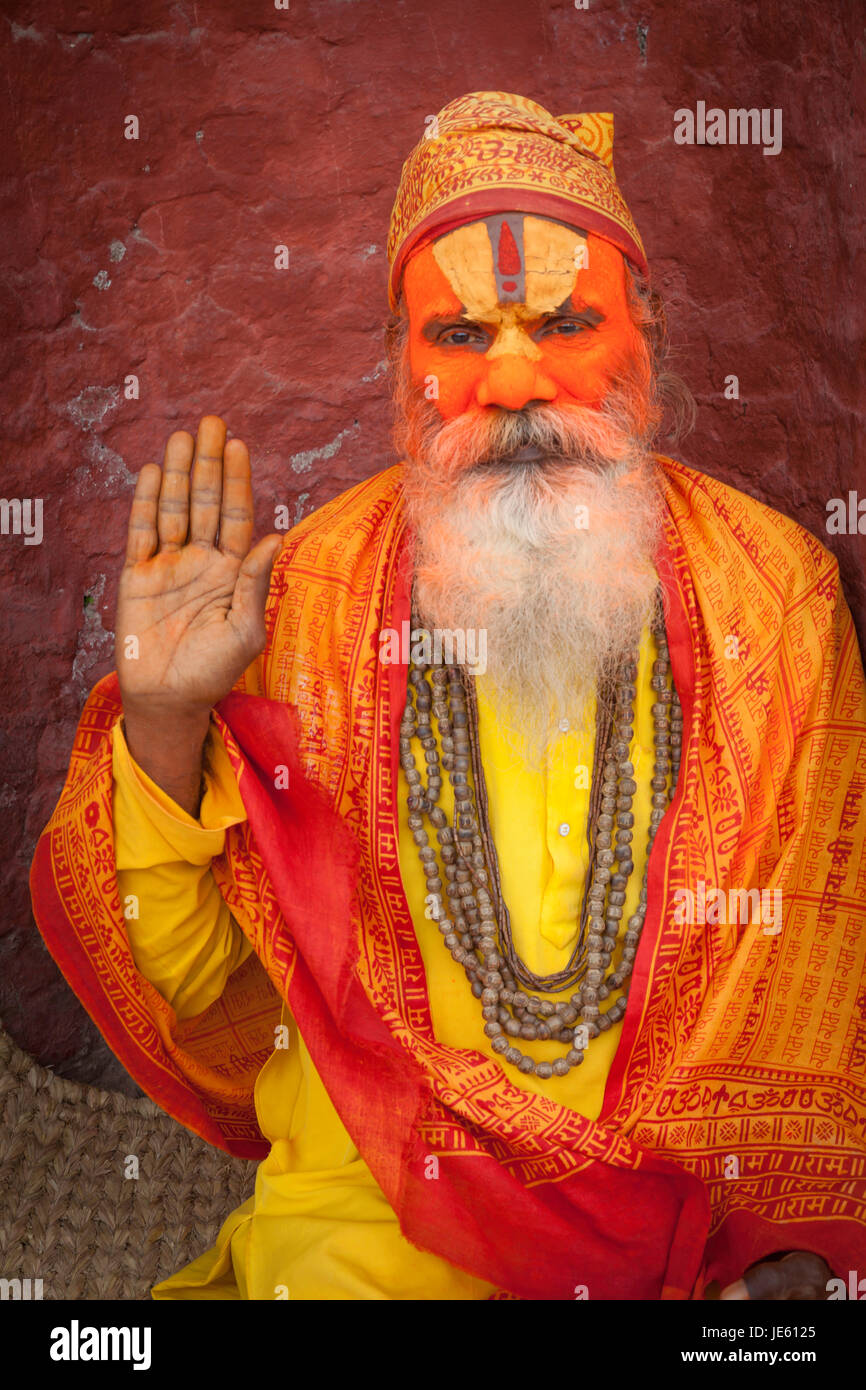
(515, 308)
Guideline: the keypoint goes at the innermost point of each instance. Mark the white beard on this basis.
(500, 547)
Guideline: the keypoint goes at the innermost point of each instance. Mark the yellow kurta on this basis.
(318, 1225)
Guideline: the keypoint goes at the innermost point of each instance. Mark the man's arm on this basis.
(182, 935)
(170, 751)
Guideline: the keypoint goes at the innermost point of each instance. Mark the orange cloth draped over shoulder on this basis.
(739, 1040)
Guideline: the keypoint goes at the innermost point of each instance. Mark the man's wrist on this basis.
(169, 748)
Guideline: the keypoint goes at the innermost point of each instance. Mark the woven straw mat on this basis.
(68, 1213)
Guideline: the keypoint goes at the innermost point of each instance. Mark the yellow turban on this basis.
(493, 152)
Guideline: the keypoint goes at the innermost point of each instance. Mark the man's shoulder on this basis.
(357, 515)
(332, 575)
(709, 512)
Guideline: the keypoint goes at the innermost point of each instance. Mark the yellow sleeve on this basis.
(182, 935)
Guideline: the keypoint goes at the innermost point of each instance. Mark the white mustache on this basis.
(602, 439)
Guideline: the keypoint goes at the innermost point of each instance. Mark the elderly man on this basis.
(486, 857)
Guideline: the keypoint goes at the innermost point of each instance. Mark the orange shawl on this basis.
(733, 1121)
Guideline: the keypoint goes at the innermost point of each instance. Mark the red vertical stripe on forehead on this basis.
(508, 255)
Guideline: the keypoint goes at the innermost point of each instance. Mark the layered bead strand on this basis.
(475, 926)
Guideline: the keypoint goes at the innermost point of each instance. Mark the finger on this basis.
(207, 480)
(251, 590)
(236, 507)
(174, 493)
(141, 539)
(737, 1291)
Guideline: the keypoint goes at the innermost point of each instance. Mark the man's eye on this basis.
(457, 336)
(566, 328)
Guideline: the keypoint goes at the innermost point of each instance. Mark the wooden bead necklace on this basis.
(476, 925)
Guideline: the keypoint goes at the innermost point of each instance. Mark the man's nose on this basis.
(512, 382)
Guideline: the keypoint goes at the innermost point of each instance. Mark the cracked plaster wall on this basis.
(257, 127)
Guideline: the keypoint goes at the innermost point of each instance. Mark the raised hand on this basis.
(191, 600)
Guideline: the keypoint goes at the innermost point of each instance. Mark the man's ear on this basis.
(395, 332)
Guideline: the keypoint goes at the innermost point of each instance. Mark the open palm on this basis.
(192, 594)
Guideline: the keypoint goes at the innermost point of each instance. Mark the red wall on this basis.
(261, 126)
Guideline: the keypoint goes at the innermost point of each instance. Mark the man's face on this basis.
(527, 477)
(513, 309)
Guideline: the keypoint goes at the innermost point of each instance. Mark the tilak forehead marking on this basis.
(506, 239)
(512, 258)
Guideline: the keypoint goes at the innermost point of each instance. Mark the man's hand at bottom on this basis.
(800, 1275)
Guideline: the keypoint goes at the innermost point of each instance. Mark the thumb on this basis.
(253, 582)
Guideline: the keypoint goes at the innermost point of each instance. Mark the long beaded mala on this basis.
(476, 925)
